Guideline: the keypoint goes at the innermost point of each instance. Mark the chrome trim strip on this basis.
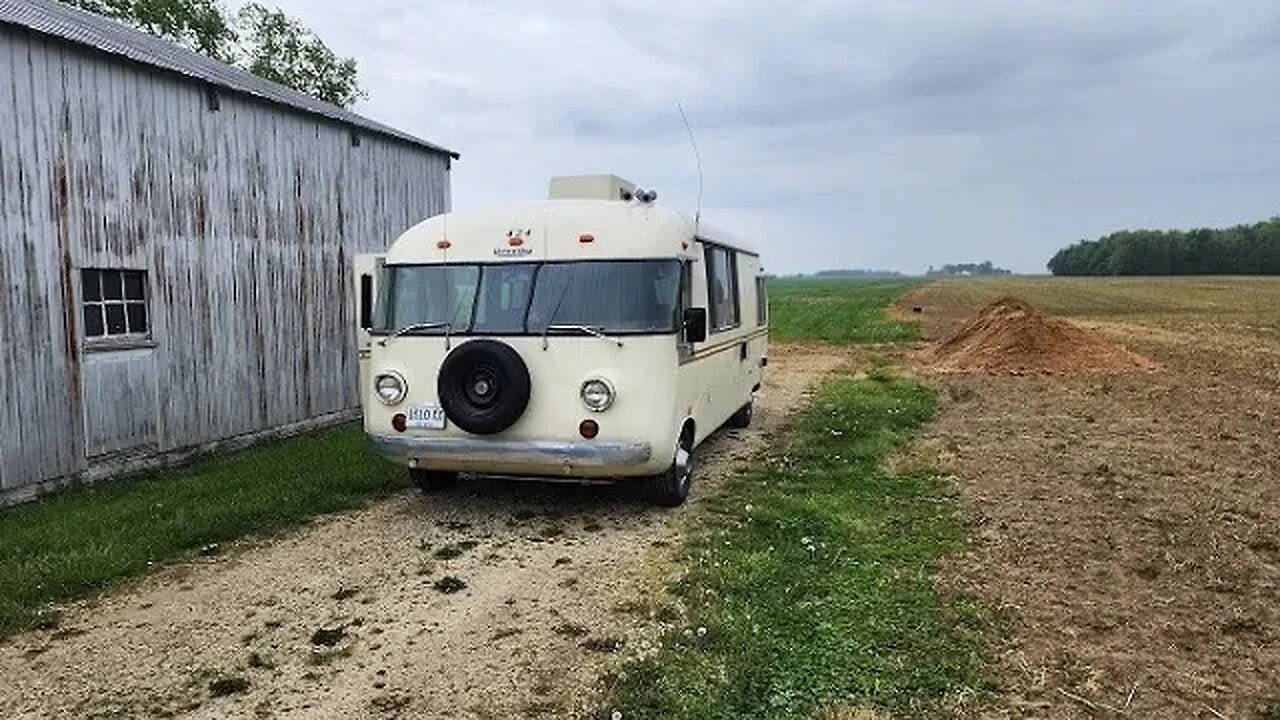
(532, 452)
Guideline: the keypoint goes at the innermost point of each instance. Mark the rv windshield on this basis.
(613, 296)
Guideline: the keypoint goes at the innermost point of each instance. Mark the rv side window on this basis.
(722, 287)
(762, 302)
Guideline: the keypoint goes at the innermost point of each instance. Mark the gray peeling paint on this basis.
(245, 220)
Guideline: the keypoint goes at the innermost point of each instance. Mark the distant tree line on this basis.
(983, 268)
(856, 273)
(1240, 250)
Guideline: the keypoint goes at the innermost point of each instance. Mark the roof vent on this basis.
(591, 187)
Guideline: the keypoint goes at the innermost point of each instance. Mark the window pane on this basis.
(112, 286)
(137, 316)
(720, 288)
(90, 285)
(432, 294)
(762, 302)
(93, 326)
(115, 319)
(504, 296)
(613, 296)
(134, 286)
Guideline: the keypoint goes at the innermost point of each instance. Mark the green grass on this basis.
(812, 576)
(839, 312)
(84, 540)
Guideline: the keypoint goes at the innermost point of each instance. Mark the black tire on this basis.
(671, 488)
(429, 481)
(483, 386)
(742, 418)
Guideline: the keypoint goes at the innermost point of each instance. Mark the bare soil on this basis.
(496, 600)
(1010, 335)
(1125, 527)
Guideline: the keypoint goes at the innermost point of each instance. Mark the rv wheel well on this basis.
(689, 429)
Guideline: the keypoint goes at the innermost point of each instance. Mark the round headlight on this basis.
(390, 388)
(597, 395)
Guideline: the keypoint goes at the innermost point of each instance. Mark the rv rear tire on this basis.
(429, 481)
(671, 488)
(742, 418)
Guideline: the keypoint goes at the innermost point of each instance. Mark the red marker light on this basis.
(444, 244)
(515, 241)
(399, 422)
(589, 429)
(586, 238)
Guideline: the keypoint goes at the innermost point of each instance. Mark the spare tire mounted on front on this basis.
(483, 386)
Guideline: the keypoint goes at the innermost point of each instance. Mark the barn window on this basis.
(115, 303)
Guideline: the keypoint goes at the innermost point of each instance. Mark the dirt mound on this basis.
(1012, 336)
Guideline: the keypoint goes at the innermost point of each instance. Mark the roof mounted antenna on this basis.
(697, 156)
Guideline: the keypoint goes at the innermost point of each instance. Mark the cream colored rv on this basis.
(592, 336)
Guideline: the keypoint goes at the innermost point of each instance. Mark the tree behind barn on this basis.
(265, 42)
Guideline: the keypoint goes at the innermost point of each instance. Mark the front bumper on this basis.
(481, 455)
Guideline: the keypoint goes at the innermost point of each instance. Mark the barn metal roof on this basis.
(49, 17)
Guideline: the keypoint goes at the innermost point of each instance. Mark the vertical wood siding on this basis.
(245, 219)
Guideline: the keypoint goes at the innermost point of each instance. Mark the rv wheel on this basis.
(671, 488)
(429, 481)
(742, 418)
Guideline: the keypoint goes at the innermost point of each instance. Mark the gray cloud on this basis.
(834, 133)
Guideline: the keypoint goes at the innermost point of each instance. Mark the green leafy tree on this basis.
(280, 49)
(198, 25)
(266, 42)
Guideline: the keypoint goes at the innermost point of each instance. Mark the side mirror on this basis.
(695, 325)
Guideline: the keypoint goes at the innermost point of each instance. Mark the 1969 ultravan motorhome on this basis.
(592, 336)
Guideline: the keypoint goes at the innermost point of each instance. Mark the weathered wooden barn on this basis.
(175, 247)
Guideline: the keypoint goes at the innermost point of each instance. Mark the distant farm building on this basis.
(176, 239)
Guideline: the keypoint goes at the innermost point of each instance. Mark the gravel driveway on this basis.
(495, 600)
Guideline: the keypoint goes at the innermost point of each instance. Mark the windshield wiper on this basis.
(593, 331)
(415, 327)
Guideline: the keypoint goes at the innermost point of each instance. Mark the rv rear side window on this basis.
(722, 287)
(114, 303)
(762, 302)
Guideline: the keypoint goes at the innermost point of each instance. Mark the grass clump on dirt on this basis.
(840, 312)
(83, 540)
(811, 583)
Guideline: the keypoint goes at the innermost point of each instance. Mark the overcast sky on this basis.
(887, 133)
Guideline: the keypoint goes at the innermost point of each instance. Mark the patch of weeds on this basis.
(47, 619)
(390, 703)
(448, 585)
(824, 591)
(570, 629)
(602, 644)
(453, 550)
(345, 593)
(328, 637)
(1271, 710)
(325, 657)
(542, 708)
(230, 685)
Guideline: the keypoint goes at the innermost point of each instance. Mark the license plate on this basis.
(425, 416)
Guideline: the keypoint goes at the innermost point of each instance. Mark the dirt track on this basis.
(351, 616)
